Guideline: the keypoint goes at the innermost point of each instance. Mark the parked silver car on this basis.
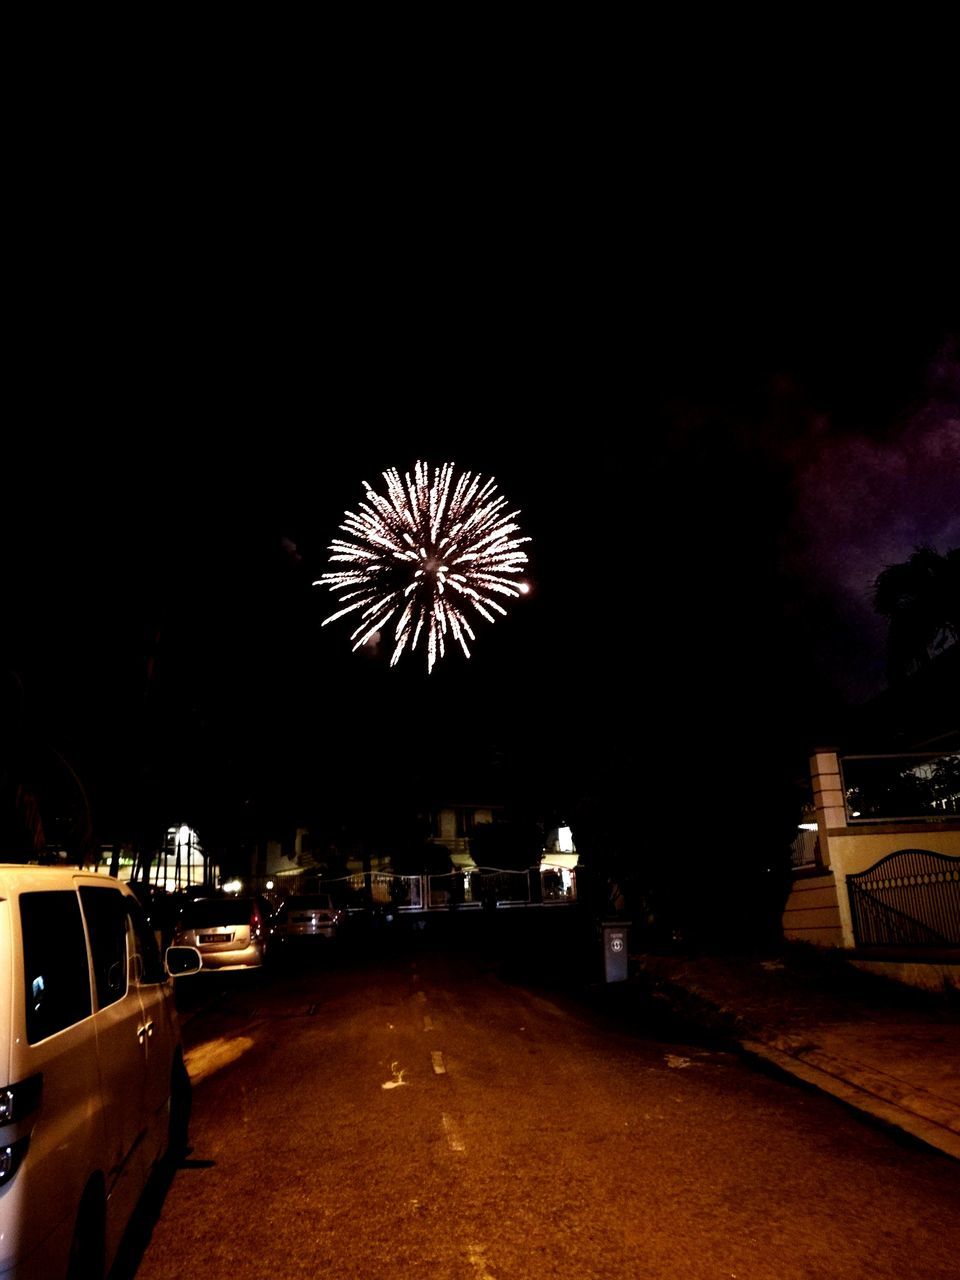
(308, 916)
(229, 932)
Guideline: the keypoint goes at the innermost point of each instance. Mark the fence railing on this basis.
(805, 849)
(909, 898)
(472, 889)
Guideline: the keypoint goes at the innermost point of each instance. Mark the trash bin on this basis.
(615, 949)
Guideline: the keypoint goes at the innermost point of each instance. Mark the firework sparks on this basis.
(425, 556)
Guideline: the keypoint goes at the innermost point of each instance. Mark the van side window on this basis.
(106, 915)
(145, 945)
(56, 973)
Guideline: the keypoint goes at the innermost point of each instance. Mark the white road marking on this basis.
(398, 1080)
(478, 1261)
(436, 1057)
(427, 1023)
(454, 1140)
(205, 1059)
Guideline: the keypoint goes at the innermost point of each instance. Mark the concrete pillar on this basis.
(843, 901)
(827, 797)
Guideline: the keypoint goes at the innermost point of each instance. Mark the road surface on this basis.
(416, 1115)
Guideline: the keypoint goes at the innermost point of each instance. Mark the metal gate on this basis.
(909, 898)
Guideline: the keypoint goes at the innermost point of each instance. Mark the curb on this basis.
(916, 1111)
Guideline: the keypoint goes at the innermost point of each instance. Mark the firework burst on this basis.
(424, 557)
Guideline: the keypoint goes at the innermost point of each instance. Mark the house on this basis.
(455, 853)
(452, 827)
(876, 862)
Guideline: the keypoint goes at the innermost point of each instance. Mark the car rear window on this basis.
(214, 911)
(315, 902)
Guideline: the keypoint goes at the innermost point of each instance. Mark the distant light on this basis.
(269, 884)
(855, 813)
(565, 840)
(233, 886)
(808, 826)
(523, 588)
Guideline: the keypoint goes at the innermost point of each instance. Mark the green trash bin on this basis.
(615, 934)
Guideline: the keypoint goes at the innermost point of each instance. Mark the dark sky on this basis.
(716, 441)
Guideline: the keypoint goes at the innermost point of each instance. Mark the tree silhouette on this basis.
(921, 599)
(44, 804)
(512, 845)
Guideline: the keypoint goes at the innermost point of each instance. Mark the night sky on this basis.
(715, 444)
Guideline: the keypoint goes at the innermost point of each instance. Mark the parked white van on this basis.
(93, 1090)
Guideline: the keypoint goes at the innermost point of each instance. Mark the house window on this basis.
(464, 823)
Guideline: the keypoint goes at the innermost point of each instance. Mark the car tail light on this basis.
(256, 922)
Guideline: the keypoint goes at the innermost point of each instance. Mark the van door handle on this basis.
(144, 1031)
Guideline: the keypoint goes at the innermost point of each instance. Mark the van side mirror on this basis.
(182, 960)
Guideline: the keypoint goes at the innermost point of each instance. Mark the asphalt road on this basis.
(416, 1115)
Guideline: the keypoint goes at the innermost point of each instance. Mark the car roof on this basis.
(31, 877)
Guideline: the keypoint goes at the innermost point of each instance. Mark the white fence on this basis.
(473, 889)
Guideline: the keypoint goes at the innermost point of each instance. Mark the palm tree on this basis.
(921, 598)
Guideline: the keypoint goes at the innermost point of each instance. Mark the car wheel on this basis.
(87, 1246)
(181, 1100)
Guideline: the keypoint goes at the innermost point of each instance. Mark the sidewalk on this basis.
(887, 1049)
